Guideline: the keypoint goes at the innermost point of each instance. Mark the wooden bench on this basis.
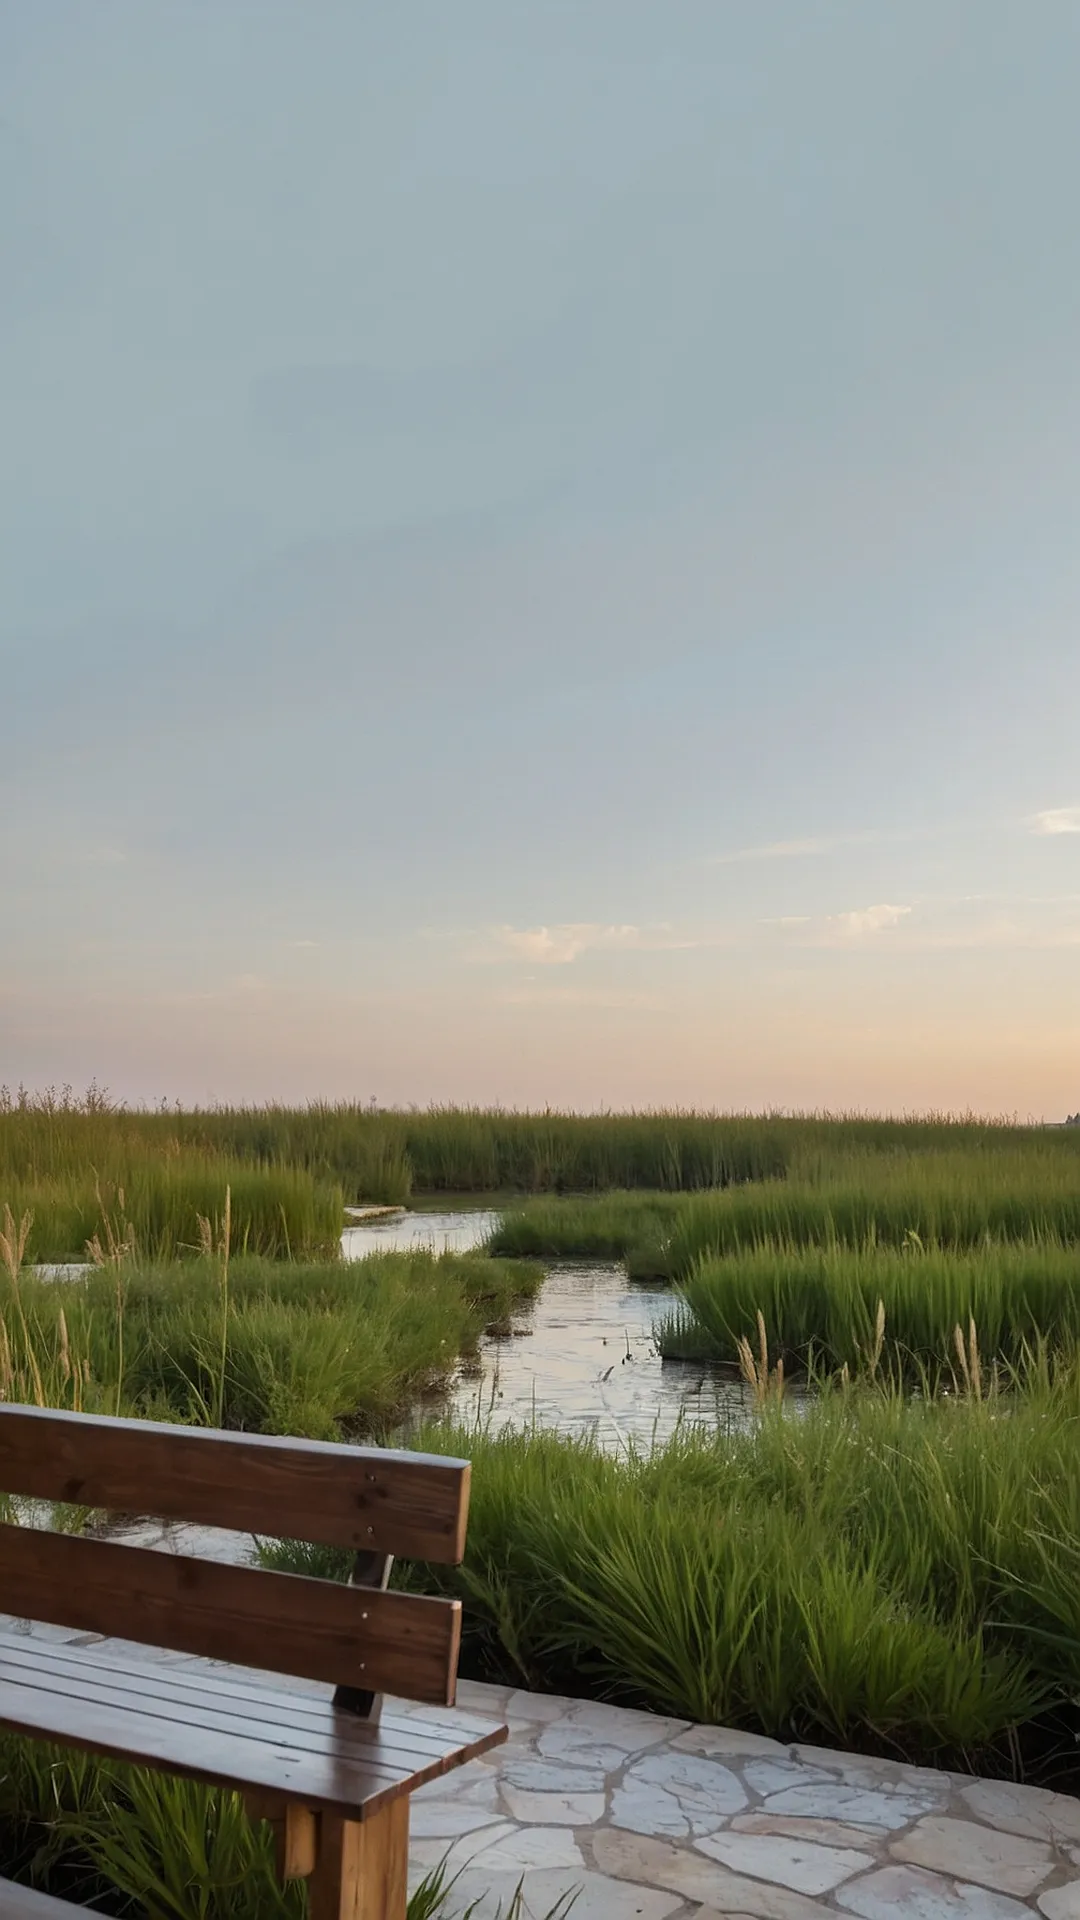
(334, 1770)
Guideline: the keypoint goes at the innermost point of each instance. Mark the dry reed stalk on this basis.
(755, 1370)
(969, 1359)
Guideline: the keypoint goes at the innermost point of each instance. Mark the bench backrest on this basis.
(373, 1500)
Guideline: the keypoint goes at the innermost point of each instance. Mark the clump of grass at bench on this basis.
(284, 1347)
(875, 1573)
(820, 1305)
(87, 1828)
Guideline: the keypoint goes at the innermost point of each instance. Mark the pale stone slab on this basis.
(1032, 1811)
(442, 1820)
(914, 1894)
(776, 1775)
(623, 1727)
(831, 1833)
(481, 1696)
(555, 1809)
(866, 1807)
(538, 1706)
(551, 1776)
(468, 1845)
(676, 1794)
(729, 1741)
(802, 1864)
(643, 1809)
(1061, 1903)
(656, 1863)
(969, 1852)
(581, 1746)
(530, 1847)
(596, 1897)
(704, 1788)
(866, 1769)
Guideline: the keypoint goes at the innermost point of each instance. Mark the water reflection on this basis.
(582, 1360)
(431, 1232)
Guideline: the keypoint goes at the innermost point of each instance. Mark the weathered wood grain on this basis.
(351, 1636)
(324, 1758)
(372, 1499)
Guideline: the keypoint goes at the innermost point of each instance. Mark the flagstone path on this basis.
(654, 1819)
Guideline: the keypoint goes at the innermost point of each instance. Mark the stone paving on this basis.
(644, 1818)
(653, 1819)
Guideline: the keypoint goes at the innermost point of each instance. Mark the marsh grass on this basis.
(951, 1200)
(155, 1205)
(269, 1346)
(382, 1154)
(139, 1842)
(879, 1573)
(612, 1226)
(827, 1307)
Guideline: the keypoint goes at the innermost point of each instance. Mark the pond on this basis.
(580, 1358)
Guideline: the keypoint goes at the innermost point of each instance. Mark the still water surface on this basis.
(581, 1357)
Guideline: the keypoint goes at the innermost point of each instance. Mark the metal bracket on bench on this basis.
(369, 1570)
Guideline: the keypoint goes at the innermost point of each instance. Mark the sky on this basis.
(539, 552)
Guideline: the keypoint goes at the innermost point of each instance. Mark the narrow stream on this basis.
(580, 1358)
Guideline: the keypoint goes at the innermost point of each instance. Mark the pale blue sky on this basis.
(539, 550)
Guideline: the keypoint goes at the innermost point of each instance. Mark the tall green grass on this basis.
(950, 1200)
(958, 1199)
(819, 1305)
(879, 1573)
(381, 1154)
(607, 1227)
(156, 1201)
(289, 1347)
(137, 1842)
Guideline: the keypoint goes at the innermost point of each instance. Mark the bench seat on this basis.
(211, 1725)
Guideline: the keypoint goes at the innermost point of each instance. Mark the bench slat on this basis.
(243, 1701)
(394, 1642)
(341, 1763)
(369, 1498)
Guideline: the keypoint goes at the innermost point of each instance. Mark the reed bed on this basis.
(268, 1346)
(957, 1199)
(949, 1200)
(136, 1842)
(834, 1307)
(384, 1154)
(610, 1226)
(877, 1573)
(156, 1201)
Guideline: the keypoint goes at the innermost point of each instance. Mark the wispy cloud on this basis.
(790, 849)
(560, 945)
(1056, 820)
(865, 921)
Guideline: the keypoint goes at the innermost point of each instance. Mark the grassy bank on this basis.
(877, 1574)
(155, 1201)
(134, 1843)
(384, 1154)
(270, 1346)
(958, 1199)
(820, 1305)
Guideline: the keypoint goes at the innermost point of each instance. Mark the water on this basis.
(433, 1232)
(581, 1360)
(580, 1357)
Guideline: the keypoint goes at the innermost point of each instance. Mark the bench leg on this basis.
(362, 1866)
